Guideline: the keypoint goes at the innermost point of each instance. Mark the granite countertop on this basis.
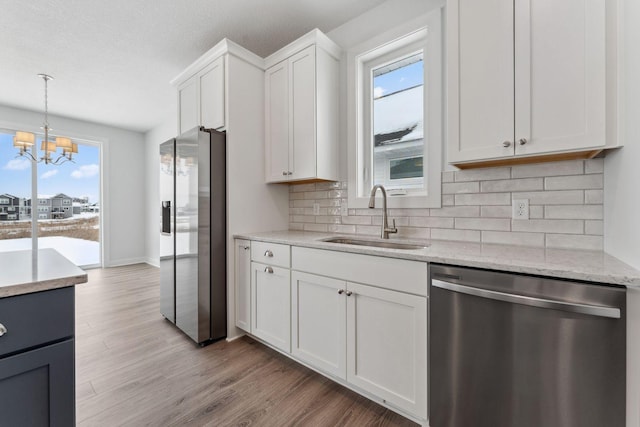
(19, 276)
(591, 266)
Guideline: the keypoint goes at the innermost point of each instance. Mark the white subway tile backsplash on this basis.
(316, 195)
(565, 207)
(447, 176)
(431, 222)
(457, 211)
(574, 182)
(549, 226)
(574, 211)
(525, 184)
(594, 227)
(496, 211)
(302, 187)
(483, 199)
(566, 241)
(570, 167)
(594, 166)
(461, 187)
(322, 228)
(482, 174)
(356, 220)
(340, 228)
(551, 197)
(511, 238)
(594, 197)
(457, 235)
(496, 224)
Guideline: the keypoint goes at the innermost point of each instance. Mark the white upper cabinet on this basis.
(527, 78)
(201, 98)
(301, 110)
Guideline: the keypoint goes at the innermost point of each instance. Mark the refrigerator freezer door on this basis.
(167, 218)
(193, 234)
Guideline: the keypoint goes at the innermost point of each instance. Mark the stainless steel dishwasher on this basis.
(510, 350)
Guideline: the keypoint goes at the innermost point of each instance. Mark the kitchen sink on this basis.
(374, 243)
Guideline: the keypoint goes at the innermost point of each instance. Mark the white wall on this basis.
(622, 174)
(123, 179)
(167, 129)
(380, 19)
(622, 194)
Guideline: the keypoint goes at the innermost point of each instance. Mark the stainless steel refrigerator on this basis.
(193, 233)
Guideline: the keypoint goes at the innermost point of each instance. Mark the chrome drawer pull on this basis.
(268, 270)
(3, 330)
(340, 291)
(268, 253)
(349, 293)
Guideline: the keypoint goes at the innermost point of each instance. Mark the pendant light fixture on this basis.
(24, 141)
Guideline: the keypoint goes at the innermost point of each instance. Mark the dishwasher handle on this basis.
(592, 310)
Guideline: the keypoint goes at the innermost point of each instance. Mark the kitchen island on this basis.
(37, 333)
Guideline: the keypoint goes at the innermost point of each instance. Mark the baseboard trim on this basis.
(129, 261)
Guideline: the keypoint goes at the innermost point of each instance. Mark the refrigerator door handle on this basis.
(166, 217)
(592, 310)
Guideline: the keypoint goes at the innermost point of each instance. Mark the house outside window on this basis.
(395, 107)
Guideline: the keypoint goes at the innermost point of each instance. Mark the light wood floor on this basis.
(133, 368)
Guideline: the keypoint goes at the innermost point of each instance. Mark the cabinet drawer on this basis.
(391, 273)
(35, 319)
(271, 254)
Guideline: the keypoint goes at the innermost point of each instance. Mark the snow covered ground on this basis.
(80, 252)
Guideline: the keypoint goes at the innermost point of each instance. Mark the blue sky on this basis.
(78, 179)
(402, 78)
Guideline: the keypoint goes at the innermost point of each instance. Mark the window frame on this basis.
(397, 43)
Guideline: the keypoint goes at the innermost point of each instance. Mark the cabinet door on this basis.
(37, 388)
(271, 305)
(387, 346)
(212, 98)
(480, 79)
(560, 75)
(318, 327)
(277, 123)
(243, 284)
(302, 148)
(187, 106)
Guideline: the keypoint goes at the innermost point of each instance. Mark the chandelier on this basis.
(24, 141)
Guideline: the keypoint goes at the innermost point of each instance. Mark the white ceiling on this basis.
(112, 60)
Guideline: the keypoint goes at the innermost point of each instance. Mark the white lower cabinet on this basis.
(319, 313)
(387, 346)
(371, 337)
(243, 284)
(374, 335)
(271, 305)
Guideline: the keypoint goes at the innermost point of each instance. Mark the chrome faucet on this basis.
(384, 233)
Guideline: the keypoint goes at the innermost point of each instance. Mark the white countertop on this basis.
(19, 275)
(591, 266)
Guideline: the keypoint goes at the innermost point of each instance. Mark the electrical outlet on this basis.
(316, 208)
(343, 210)
(520, 209)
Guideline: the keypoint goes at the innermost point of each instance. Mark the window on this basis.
(4, 201)
(395, 91)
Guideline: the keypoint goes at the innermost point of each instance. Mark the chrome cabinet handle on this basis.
(284, 173)
(3, 330)
(268, 253)
(246, 248)
(340, 291)
(523, 141)
(349, 293)
(289, 173)
(268, 270)
(506, 144)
